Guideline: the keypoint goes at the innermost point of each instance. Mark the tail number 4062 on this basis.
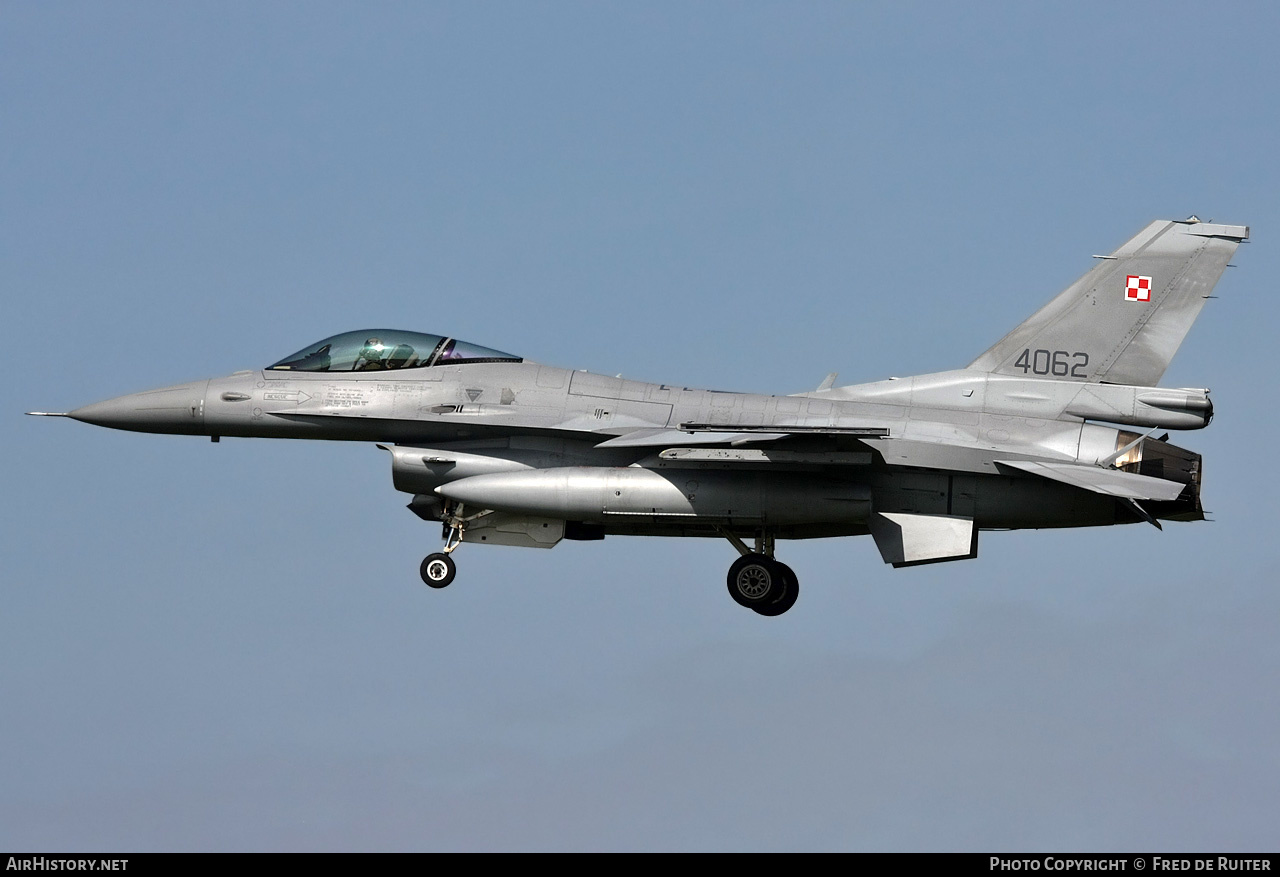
(1059, 363)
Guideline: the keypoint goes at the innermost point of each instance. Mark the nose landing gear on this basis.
(438, 569)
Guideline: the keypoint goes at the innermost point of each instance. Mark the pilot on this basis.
(370, 358)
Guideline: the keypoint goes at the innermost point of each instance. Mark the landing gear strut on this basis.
(437, 570)
(757, 581)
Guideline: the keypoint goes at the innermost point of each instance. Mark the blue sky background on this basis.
(227, 647)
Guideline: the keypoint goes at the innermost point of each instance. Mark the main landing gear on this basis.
(757, 581)
(437, 570)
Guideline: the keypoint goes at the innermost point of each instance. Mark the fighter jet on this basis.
(1051, 427)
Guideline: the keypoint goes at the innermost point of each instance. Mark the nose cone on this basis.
(178, 409)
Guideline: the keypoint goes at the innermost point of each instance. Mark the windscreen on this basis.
(387, 349)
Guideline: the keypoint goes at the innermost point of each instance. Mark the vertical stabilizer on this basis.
(1123, 321)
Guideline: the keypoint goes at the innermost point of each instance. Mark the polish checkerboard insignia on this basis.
(1137, 288)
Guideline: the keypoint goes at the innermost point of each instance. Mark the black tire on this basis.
(755, 580)
(437, 570)
(789, 595)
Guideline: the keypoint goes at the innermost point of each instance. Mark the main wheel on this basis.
(755, 580)
(789, 595)
(438, 570)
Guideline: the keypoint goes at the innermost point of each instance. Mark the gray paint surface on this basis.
(606, 454)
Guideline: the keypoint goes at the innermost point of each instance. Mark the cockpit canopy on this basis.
(382, 349)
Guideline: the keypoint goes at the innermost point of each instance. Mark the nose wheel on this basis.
(438, 570)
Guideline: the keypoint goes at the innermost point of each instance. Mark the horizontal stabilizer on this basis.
(910, 539)
(1111, 482)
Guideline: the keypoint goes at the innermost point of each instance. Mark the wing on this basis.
(723, 434)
